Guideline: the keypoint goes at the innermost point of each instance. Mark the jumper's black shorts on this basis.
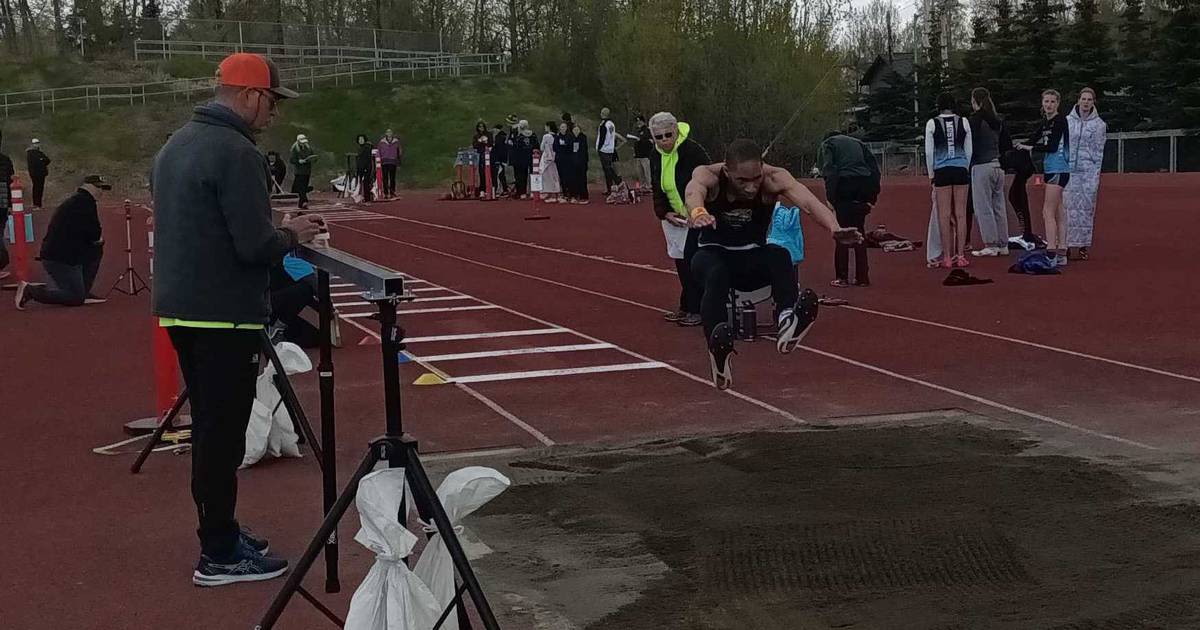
(951, 176)
(1058, 179)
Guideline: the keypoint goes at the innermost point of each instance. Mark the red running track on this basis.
(1106, 351)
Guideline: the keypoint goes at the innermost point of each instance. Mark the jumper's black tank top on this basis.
(741, 224)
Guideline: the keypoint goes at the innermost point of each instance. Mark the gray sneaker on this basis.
(1060, 260)
(247, 565)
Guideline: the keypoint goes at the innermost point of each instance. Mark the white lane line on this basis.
(979, 399)
(338, 304)
(1031, 344)
(347, 294)
(342, 285)
(955, 392)
(377, 217)
(656, 269)
(593, 369)
(491, 404)
(688, 375)
(579, 347)
(475, 454)
(410, 311)
(487, 402)
(440, 298)
(489, 335)
(432, 289)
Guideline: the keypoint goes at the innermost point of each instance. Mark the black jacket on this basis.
(501, 148)
(215, 242)
(6, 173)
(691, 156)
(521, 155)
(37, 163)
(74, 231)
(644, 147)
(364, 160)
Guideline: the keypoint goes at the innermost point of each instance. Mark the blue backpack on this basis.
(1036, 263)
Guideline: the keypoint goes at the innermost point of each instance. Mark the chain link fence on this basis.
(286, 34)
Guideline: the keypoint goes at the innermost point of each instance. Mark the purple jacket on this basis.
(389, 152)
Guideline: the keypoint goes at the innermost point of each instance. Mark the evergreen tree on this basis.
(1135, 71)
(1010, 75)
(1089, 56)
(888, 113)
(931, 72)
(976, 67)
(1037, 50)
(1178, 63)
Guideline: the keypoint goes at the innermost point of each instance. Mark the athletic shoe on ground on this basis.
(936, 263)
(720, 351)
(862, 284)
(674, 316)
(247, 565)
(94, 299)
(795, 323)
(840, 284)
(689, 320)
(1060, 260)
(986, 251)
(259, 545)
(22, 299)
(960, 262)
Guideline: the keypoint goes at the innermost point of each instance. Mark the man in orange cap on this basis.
(216, 245)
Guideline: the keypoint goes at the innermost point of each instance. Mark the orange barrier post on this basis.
(22, 232)
(378, 174)
(535, 186)
(488, 191)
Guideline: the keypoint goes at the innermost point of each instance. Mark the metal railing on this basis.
(284, 33)
(281, 53)
(89, 97)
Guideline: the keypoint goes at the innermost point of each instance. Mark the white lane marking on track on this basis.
(970, 331)
(949, 390)
(489, 335)
(593, 369)
(688, 375)
(460, 356)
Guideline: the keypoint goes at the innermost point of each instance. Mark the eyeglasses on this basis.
(272, 100)
(664, 136)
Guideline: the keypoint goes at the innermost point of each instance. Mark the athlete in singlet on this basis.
(733, 202)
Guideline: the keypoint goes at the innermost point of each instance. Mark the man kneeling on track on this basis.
(732, 204)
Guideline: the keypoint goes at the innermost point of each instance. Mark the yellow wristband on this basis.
(698, 212)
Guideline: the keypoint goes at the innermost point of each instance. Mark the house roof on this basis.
(901, 63)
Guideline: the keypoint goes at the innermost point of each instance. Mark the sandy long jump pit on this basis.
(945, 522)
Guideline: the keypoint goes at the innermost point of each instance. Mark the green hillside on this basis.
(433, 118)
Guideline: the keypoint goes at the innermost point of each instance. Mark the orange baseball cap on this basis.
(252, 71)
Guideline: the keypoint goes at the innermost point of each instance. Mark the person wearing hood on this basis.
(302, 158)
(581, 148)
(390, 152)
(364, 166)
(215, 246)
(38, 166)
(676, 157)
(1088, 134)
(551, 185)
(564, 161)
(521, 156)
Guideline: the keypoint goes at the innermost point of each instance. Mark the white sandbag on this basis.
(270, 431)
(676, 236)
(391, 597)
(461, 493)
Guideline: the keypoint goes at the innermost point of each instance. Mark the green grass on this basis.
(433, 118)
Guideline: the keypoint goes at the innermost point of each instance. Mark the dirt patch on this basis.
(944, 526)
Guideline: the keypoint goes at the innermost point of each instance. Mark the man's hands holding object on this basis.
(848, 236)
(306, 227)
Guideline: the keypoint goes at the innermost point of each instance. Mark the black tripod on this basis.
(136, 283)
(287, 396)
(394, 447)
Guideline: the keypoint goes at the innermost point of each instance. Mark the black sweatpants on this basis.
(1018, 196)
(389, 179)
(500, 177)
(852, 211)
(689, 289)
(366, 183)
(717, 270)
(611, 178)
(300, 187)
(39, 189)
(220, 367)
(289, 298)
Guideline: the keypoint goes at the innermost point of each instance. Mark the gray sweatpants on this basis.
(987, 196)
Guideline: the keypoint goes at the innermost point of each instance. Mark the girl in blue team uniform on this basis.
(1053, 138)
(948, 156)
